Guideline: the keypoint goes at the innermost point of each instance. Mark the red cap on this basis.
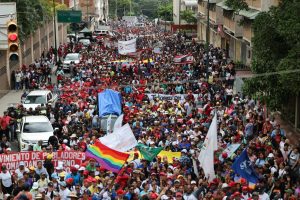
(162, 174)
(94, 180)
(178, 194)
(245, 188)
(120, 192)
(153, 195)
(231, 184)
(73, 169)
(85, 172)
(243, 181)
(69, 181)
(224, 155)
(236, 194)
(102, 169)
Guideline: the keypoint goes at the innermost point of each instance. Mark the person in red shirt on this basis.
(4, 123)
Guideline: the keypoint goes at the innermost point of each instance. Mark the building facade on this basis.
(226, 30)
(181, 5)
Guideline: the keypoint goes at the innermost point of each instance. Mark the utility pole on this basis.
(116, 10)
(179, 13)
(130, 7)
(54, 29)
(87, 13)
(207, 41)
(166, 1)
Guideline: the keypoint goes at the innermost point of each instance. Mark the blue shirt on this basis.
(76, 178)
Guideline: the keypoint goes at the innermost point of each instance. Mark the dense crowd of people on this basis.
(178, 125)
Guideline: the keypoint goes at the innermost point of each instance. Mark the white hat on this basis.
(183, 151)
(164, 197)
(152, 142)
(225, 185)
(35, 185)
(59, 167)
(193, 182)
(76, 166)
(271, 155)
(81, 168)
(65, 141)
(21, 163)
(73, 135)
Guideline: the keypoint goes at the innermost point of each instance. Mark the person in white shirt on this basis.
(19, 172)
(6, 180)
(64, 191)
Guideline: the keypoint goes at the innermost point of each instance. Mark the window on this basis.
(37, 127)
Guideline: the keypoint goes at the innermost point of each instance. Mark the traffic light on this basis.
(13, 40)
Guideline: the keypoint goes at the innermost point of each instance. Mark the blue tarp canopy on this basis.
(109, 102)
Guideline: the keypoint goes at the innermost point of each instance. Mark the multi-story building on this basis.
(181, 5)
(101, 7)
(228, 29)
(88, 8)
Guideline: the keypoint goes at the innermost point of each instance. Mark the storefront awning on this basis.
(222, 5)
(250, 14)
(193, 3)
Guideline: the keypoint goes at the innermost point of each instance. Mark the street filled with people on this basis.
(170, 98)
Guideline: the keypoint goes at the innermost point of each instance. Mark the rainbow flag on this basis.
(108, 158)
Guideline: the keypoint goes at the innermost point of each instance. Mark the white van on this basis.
(32, 129)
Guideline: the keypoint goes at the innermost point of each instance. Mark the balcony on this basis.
(202, 8)
(247, 32)
(255, 4)
(229, 24)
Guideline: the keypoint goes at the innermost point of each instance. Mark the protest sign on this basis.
(126, 47)
(69, 158)
(165, 97)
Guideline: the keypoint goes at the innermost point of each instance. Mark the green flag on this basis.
(149, 153)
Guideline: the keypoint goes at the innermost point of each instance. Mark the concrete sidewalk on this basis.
(11, 98)
(292, 134)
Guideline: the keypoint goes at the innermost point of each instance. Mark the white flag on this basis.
(206, 157)
(118, 122)
(122, 139)
(108, 124)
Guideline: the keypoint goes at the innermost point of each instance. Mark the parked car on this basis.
(85, 41)
(32, 129)
(71, 57)
(39, 98)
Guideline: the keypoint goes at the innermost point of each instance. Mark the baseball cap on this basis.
(21, 163)
(178, 194)
(63, 183)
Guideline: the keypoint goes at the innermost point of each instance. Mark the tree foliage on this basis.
(276, 48)
(188, 16)
(150, 8)
(165, 11)
(32, 13)
(237, 5)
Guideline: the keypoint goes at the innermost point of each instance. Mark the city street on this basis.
(163, 100)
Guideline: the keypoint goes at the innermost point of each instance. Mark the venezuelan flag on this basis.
(108, 158)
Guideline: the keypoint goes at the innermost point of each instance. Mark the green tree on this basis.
(138, 7)
(276, 48)
(32, 13)
(165, 11)
(237, 5)
(188, 16)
